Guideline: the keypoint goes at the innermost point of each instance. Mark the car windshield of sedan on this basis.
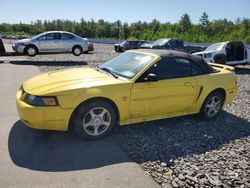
(160, 42)
(128, 64)
(39, 35)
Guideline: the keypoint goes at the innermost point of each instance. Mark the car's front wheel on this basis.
(212, 105)
(31, 50)
(77, 50)
(95, 119)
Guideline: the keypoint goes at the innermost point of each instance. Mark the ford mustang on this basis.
(136, 86)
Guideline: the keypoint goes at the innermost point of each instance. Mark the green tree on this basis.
(204, 19)
(185, 22)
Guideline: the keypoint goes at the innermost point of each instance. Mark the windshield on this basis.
(214, 46)
(160, 42)
(37, 36)
(123, 42)
(128, 64)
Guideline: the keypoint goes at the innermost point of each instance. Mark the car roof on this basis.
(58, 32)
(206, 68)
(135, 40)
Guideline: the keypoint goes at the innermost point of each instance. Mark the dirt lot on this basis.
(185, 151)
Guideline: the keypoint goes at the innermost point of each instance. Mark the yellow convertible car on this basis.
(136, 86)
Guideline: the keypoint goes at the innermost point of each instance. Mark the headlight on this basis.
(41, 101)
(21, 44)
(208, 55)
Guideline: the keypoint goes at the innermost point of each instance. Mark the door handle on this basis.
(187, 84)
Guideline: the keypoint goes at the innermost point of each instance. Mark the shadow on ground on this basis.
(157, 140)
(60, 151)
(49, 63)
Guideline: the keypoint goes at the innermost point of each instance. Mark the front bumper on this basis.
(18, 49)
(46, 118)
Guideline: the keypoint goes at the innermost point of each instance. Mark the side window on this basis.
(133, 43)
(171, 43)
(196, 70)
(171, 68)
(50, 36)
(66, 36)
(179, 43)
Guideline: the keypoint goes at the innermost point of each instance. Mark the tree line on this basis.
(205, 31)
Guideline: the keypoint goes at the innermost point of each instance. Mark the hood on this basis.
(64, 81)
(209, 51)
(24, 41)
(204, 52)
(198, 53)
(146, 45)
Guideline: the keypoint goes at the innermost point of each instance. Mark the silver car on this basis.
(52, 41)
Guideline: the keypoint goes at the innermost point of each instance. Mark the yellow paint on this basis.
(136, 102)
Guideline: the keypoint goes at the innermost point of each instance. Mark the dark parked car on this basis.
(166, 43)
(173, 44)
(128, 44)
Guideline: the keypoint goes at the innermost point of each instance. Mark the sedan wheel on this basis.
(212, 105)
(31, 51)
(94, 120)
(77, 51)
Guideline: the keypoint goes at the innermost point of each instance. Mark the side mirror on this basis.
(151, 78)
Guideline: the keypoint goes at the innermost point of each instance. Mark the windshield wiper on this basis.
(108, 71)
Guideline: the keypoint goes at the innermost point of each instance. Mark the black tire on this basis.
(30, 51)
(116, 48)
(209, 110)
(220, 60)
(89, 114)
(77, 50)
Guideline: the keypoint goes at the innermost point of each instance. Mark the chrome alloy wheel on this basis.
(97, 121)
(213, 106)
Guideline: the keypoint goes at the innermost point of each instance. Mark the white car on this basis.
(52, 41)
(230, 53)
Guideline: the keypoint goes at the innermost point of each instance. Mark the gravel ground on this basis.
(101, 54)
(185, 151)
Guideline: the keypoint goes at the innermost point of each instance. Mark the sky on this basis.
(26, 11)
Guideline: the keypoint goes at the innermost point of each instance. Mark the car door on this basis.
(173, 93)
(66, 42)
(49, 42)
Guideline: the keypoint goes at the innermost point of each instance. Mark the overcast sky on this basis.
(25, 11)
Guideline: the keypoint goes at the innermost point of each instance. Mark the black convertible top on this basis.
(199, 61)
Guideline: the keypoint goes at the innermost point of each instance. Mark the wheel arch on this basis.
(77, 45)
(111, 102)
(220, 90)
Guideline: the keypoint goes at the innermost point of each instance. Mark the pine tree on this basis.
(185, 22)
(204, 19)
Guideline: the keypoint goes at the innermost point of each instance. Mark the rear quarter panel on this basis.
(224, 79)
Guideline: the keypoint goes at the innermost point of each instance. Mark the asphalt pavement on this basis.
(33, 158)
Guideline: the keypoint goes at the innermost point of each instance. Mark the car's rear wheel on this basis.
(95, 119)
(212, 105)
(77, 50)
(31, 50)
